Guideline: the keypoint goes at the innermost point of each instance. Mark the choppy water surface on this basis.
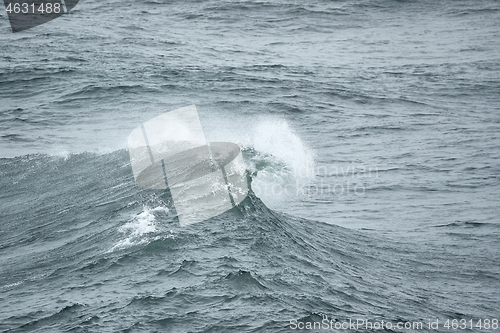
(371, 130)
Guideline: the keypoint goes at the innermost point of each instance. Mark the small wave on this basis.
(244, 280)
(464, 224)
(16, 137)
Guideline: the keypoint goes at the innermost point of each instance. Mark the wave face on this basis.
(83, 249)
(379, 117)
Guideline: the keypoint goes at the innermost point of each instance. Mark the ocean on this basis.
(370, 131)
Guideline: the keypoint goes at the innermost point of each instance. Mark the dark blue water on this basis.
(371, 129)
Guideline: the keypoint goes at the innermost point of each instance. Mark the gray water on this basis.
(380, 118)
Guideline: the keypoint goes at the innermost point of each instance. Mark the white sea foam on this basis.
(282, 160)
(140, 229)
(7, 286)
(277, 138)
(268, 135)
